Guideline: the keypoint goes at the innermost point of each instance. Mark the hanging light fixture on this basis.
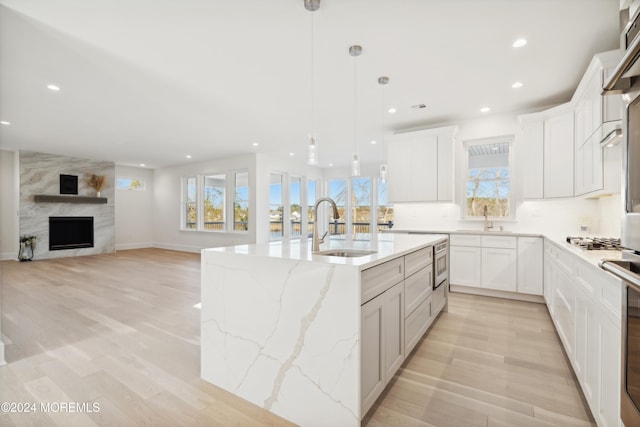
(383, 81)
(312, 143)
(355, 51)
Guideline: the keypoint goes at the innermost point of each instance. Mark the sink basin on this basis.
(345, 253)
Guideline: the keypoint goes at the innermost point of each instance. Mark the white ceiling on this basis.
(150, 81)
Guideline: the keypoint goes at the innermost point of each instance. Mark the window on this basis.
(312, 196)
(208, 200)
(488, 181)
(338, 192)
(191, 203)
(384, 217)
(276, 208)
(214, 202)
(361, 208)
(130, 184)
(295, 205)
(241, 202)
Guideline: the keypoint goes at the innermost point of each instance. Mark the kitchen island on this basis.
(283, 328)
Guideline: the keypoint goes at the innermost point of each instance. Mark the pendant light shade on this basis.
(312, 151)
(383, 81)
(355, 51)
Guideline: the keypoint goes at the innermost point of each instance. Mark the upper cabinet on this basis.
(545, 142)
(561, 154)
(421, 166)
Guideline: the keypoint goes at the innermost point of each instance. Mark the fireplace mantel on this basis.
(46, 198)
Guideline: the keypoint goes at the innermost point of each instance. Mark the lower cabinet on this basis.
(584, 303)
(466, 265)
(499, 269)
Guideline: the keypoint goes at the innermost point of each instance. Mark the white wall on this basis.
(167, 205)
(134, 210)
(9, 205)
(610, 211)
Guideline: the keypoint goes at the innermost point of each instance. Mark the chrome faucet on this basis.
(488, 225)
(316, 240)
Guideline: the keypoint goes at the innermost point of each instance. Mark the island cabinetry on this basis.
(396, 312)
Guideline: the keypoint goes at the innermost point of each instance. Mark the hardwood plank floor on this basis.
(487, 362)
(121, 330)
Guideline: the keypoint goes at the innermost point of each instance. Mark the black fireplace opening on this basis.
(70, 232)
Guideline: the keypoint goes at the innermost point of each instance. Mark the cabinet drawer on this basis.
(417, 260)
(465, 240)
(376, 280)
(416, 325)
(416, 289)
(504, 242)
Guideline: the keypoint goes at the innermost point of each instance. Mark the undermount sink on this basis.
(345, 253)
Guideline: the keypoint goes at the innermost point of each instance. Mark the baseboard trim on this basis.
(497, 294)
(8, 256)
(174, 247)
(125, 246)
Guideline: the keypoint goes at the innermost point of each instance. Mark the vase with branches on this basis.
(96, 182)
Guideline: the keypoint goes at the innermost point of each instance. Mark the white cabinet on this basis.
(394, 330)
(584, 303)
(420, 166)
(530, 265)
(499, 269)
(530, 140)
(546, 145)
(466, 265)
(558, 154)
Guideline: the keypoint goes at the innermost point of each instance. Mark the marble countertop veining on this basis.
(592, 257)
(386, 246)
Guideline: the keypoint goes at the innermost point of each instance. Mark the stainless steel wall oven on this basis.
(441, 264)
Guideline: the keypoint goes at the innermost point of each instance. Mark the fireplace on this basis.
(70, 232)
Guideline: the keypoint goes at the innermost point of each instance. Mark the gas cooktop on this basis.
(596, 243)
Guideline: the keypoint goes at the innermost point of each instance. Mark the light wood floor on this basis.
(121, 330)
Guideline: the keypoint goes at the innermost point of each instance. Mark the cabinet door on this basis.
(398, 158)
(417, 324)
(499, 269)
(413, 168)
(558, 155)
(445, 167)
(530, 266)
(564, 310)
(394, 330)
(466, 266)
(532, 138)
(609, 402)
(372, 350)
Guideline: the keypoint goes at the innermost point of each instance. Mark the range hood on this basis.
(620, 79)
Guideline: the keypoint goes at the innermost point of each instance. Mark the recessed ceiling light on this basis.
(516, 85)
(4, 122)
(292, 154)
(255, 144)
(54, 88)
(330, 165)
(373, 142)
(141, 165)
(485, 109)
(188, 156)
(519, 43)
(392, 110)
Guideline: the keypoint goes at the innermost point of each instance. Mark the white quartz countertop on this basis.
(488, 233)
(592, 257)
(386, 246)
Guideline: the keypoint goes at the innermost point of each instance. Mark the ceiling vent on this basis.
(418, 106)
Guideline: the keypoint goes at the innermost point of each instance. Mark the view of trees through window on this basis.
(295, 205)
(191, 203)
(241, 202)
(361, 204)
(276, 207)
(214, 205)
(311, 201)
(338, 192)
(130, 184)
(488, 180)
(384, 217)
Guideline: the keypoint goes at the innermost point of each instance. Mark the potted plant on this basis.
(27, 244)
(96, 182)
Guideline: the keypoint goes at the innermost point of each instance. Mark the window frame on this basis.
(509, 139)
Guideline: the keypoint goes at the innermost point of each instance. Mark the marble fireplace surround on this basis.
(40, 175)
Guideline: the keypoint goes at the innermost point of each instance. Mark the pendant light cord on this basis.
(312, 78)
(355, 105)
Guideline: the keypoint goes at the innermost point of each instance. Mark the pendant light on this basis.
(383, 81)
(312, 143)
(355, 51)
